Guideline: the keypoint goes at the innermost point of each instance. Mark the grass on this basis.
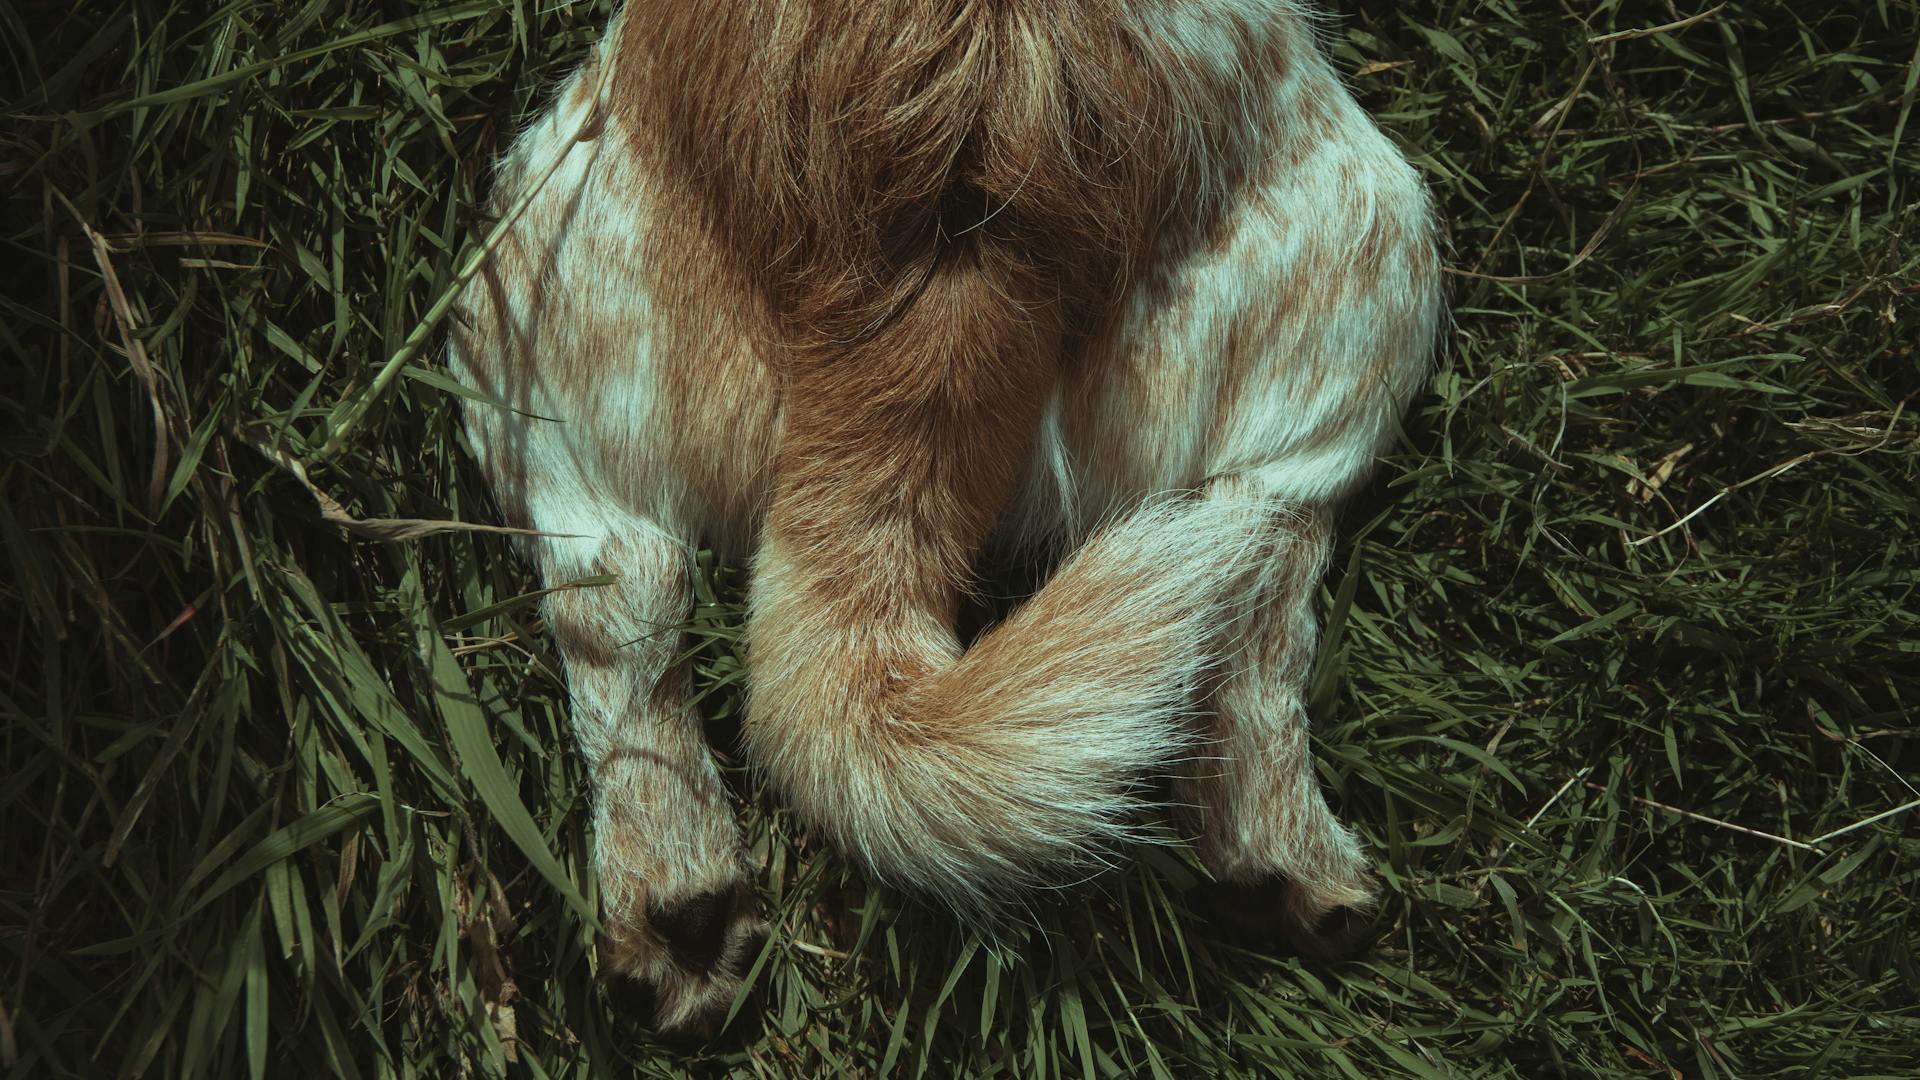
(1621, 654)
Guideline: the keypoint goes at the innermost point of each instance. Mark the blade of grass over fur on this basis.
(1635, 577)
(349, 414)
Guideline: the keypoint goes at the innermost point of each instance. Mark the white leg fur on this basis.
(673, 883)
(1281, 372)
(1251, 788)
(581, 460)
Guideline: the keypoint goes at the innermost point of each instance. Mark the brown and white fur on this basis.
(861, 288)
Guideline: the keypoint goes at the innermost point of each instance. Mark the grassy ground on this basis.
(1621, 653)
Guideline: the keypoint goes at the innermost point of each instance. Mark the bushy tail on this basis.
(978, 776)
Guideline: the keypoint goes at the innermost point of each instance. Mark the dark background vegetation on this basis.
(281, 794)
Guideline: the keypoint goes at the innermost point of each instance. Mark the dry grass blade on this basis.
(136, 353)
(393, 530)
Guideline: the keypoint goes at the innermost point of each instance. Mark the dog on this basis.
(863, 290)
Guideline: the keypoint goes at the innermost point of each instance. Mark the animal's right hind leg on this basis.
(1288, 868)
(673, 884)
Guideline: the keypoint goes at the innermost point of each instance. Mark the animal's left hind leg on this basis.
(1287, 867)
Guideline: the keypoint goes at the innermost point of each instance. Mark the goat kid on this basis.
(862, 289)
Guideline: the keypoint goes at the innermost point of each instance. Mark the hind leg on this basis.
(679, 910)
(1286, 865)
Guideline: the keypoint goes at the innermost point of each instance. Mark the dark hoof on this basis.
(695, 929)
(1340, 934)
(1266, 913)
(688, 963)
